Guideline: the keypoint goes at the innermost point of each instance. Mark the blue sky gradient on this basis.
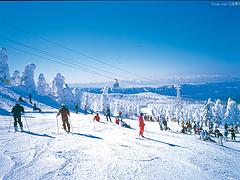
(155, 39)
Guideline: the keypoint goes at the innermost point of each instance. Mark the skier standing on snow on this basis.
(30, 98)
(225, 134)
(233, 135)
(64, 111)
(220, 138)
(76, 108)
(108, 114)
(96, 118)
(141, 124)
(16, 111)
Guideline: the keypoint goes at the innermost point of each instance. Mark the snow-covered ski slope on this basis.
(107, 151)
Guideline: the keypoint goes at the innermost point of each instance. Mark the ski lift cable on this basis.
(70, 61)
(78, 52)
(48, 59)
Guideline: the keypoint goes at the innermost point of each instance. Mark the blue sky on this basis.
(155, 39)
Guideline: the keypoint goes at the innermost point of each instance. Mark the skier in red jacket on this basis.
(64, 111)
(141, 124)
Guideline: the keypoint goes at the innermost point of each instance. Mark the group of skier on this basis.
(187, 127)
(17, 110)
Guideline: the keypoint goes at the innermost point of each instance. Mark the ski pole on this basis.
(26, 123)
(57, 124)
(10, 124)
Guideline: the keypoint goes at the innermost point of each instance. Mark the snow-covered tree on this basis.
(16, 79)
(28, 76)
(57, 85)
(231, 112)
(67, 96)
(104, 99)
(218, 111)
(78, 94)
(208, 114)
(4, 69)
(42, 86)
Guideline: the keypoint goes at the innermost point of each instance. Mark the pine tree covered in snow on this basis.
(218, 111)
(57, 85)
(208, 115)
(42, 86)
(4, 69)
(231, 112)
(16, 79)
(104, 99)
(67, 96)
(28, 77)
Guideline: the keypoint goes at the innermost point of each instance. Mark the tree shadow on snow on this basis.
(87, 135)
(36, 134)
(172, 145)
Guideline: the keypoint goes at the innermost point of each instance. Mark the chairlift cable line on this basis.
(71, 66)
(77, 52)
(75, 63)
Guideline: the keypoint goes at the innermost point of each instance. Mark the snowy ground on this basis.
(106, 151)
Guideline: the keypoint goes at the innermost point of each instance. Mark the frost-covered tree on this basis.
(218, 112)
(104, 99)
(231, 112)
(208, 114)
(67, 96)
(16, 79)
(78, 94)
(28, 76)
(4, 69)
(57, 85)
(42, 86)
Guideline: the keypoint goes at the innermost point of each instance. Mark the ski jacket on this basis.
(64, 112)
(17, 110)
(141, 122)
(97, 118)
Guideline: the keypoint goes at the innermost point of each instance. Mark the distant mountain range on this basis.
(195, 91)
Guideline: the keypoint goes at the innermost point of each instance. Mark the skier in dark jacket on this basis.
(108, 114)
(64, 111)
(16, 112)
(233, 133)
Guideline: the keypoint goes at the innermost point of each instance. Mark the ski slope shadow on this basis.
(88, 135)
(236, 150)
(36, 134)
(172, 145)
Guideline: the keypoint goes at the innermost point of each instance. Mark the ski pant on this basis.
(220, 138)
(141, 130)
(108, 116)
(65, 121)
(17, 119)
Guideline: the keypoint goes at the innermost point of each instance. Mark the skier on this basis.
(108, 114)
(165, 124)
(76, 108)
(233, 135)
(225, 126)
(141, 124)
(124, 124)
(96, 118)
(35, 108)
(21, 99)
(236, 127)
(30, 98)
(16, 111)
(220, 138)
(225, 134)
(64, 111)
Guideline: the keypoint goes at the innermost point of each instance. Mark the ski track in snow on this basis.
(107, 151)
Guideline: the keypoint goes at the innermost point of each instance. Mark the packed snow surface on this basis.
(104, 150)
